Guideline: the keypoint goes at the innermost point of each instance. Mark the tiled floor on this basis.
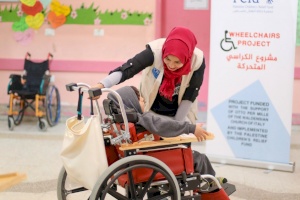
(35, 153)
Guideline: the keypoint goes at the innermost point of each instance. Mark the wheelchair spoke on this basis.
(148, 183)
(116, 195)
(131, 184)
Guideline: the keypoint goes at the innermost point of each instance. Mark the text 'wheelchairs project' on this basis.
(33, 90)
(141, 165)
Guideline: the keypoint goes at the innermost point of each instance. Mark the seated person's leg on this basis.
(202, 164)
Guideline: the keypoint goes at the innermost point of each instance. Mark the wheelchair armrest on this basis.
(111, 109)
(107, 103)
(157, 144)
(181, 139)
(131, 117)
(15, 83)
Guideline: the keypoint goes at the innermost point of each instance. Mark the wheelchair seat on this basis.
(176, 155)
(179, 158)
(33, 90)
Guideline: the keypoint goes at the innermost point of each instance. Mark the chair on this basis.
(141, 165)
(175, 153)
(33, 90)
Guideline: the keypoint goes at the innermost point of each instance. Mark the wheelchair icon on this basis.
(226, 43)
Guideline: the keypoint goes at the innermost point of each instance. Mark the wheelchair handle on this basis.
(94, 92)
(50, 56)
(28, 55)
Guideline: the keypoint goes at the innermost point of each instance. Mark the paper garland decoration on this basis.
(35, 21)
(56, 20)
(34, 13)
(20, 25)
(32, 10)
(57, 14)
(34, 18)
(59, 9)
(25, 37)
(29, 3)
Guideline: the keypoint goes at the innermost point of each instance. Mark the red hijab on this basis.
(181, 43)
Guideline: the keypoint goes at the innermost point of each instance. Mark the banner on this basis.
(251, 75)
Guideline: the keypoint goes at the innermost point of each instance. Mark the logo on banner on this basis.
(226, 43)
(252, 1)
(240, 40)
(253, 6)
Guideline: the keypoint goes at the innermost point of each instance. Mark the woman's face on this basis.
(172, 62)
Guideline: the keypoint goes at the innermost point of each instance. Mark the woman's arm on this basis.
(190, 93)
(134, 65)
(196, 81)
(111, 80)
(183, 110)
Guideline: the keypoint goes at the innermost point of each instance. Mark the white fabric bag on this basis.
(83, 152)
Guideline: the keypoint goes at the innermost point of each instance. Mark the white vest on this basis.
(149, 84)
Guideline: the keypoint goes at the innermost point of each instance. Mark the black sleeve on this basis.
(192, 91)
(136, 64)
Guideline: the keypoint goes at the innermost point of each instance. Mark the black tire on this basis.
(105, 186)
(52, 105)
(17, 105)
(42, 124)
(11, 123)
(66, 189)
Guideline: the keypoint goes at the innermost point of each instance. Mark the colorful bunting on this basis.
(32, 10)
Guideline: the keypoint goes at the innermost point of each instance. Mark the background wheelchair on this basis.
(33, 90)
(141, 165)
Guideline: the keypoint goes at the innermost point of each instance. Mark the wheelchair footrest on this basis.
(228, 188)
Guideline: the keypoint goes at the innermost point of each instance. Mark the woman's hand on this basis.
(200, 133)
(99, 86)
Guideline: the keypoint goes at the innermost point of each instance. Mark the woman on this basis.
(172, 74)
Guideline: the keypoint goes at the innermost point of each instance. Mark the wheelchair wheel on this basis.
(68, 189)
(52, 104)
(105, 186)
(11, 123)
(42, 124)
(17, 106)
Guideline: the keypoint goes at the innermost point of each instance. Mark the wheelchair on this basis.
(33, 90)
(141, 164)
